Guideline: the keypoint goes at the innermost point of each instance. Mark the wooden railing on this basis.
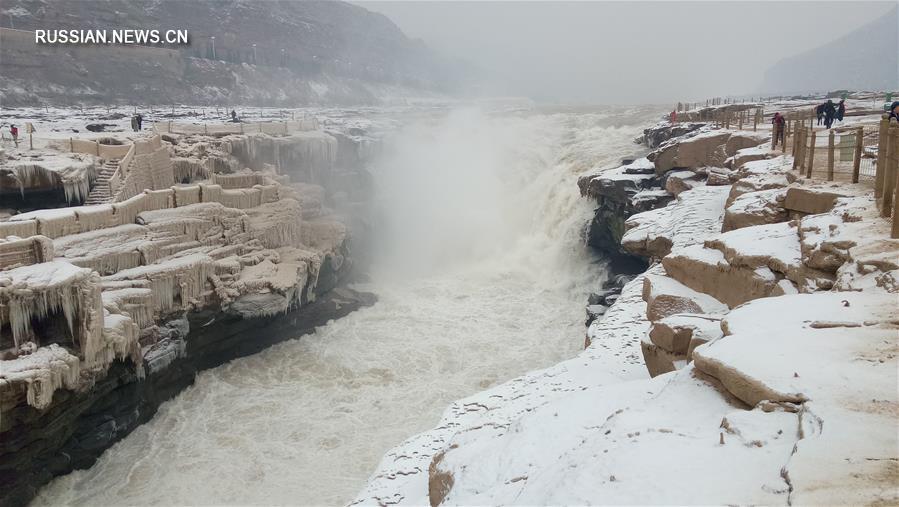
(834, 154)
(862, 154)
(118, 177)
(738, 116)
(886, 179)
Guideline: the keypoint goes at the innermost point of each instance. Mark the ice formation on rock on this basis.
(251, 246)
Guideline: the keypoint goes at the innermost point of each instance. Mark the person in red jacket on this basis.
(672, 117)
(778, 123)
(15, 134)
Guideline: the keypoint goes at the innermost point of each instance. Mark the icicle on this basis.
(44, 371)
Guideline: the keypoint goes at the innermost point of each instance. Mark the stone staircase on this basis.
(100, 192)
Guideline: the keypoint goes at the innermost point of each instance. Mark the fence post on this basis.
(741, 121)
(889, 174)
(811, 155)
(895, 140)
(882, 147)
(796, 145)
(71, 145)
(786, 136)
(830, 137)
(857, 160)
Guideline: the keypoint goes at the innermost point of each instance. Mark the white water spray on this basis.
(481, 276)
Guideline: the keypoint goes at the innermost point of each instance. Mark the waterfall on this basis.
(481, 275)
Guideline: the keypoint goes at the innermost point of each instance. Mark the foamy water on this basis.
(481, 276)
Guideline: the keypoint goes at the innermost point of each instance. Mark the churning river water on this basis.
(481, 275)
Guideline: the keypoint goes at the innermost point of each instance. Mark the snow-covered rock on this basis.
(681, 181)
(755, 208)
(695, 216)
(833, 357)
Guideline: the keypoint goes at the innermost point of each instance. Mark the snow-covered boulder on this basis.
(682, 332)
(755, 208)
(695, 216)
(742, 139)
(665, 296)
(711, 148)
(810, 200)
(718, 176)
(681, 181)
(706, 149)
(706, 270)
(744, 155)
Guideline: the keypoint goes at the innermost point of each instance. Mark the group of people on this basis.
(137, 122)
(894, 110)
(829, 112)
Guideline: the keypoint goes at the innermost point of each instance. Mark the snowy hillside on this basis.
(240, 51)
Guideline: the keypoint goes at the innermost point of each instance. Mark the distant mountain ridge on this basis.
(326, 52)
(865, 59)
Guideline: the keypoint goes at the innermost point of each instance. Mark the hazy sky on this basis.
(626, 52)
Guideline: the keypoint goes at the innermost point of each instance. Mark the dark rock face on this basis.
(599, 302)
(36, 446)
(620, 193)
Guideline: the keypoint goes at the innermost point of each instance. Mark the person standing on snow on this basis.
(894, 111)
(778, 122)
(841, 110)
(830, 111)
(14, 132)
(672, 117)
(819, 112)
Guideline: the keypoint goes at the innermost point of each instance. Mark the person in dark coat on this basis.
(140, 122)
(830, 110)
(841, 110)
(894, 110)
(134, 123)
(819, 112)
(234, 116)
